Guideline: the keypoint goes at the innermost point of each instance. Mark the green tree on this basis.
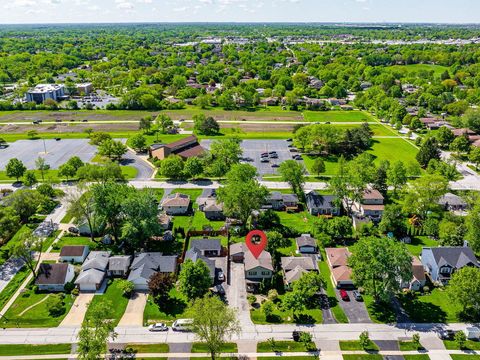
(29, 250)
(444, 137)
(318, 166)
(32, 133)
(364, 339)
(460, 339)
(159, 286)
(29, 179)
(194, 279)
(193, 167)
(9, 223)
(138, 142)
(422, 195)
(205, 125)
(393, 220)
(172, 167)
(42, 166)
(24, 202)
(97, 138)
(15, 168)
(82, 206)
(163, 122)
(224, 153)
(55, 305)
(428, 151)
(67, 171)
(397, 176)
(472, 222)
(215, 326)
(471, 119)
(145, 124)
(475, 157)
(380, 265)
(126, 287)
(293, 172)
(276, 241)
(460, 145)
(112, 149)
(109, 171)
(241, 195)
(96, 329)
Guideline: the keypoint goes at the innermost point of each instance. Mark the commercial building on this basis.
(42, 92)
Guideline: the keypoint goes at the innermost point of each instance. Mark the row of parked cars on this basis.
(356, 295)
(178, 325)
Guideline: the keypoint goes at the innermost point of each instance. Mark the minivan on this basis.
(182, 325)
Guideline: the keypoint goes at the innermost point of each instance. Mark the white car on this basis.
(221, 276)
(158, 327)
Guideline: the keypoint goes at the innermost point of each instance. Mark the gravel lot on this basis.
(252, 150)
(58, 152)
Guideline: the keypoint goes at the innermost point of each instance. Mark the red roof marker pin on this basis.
(256, 241)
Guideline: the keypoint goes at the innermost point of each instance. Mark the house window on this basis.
(265, 273)
(252, 273)
(445, 270)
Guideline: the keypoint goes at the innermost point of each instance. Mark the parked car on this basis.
(58, 139)
(293, 150)
(289, 139)
(327, 122)
(264, 160)
(344, 295)
(221, 276)
(265, 154)
(220, 290)
(73, 230)
(182, 325)
(158, 327)
(446, 334)
(84, 120)
(273, 156)
(275, 166)
(357, 296)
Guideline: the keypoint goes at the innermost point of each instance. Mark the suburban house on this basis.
(441, 262)
(463, 132)
(185, 148)
(207, 202)
(176, 204)
(257, 269)
(195, 255)
(207, 247)
(74, 253)
(53, 277)
(237, 252)
(306, 244)
(119, 265)
(94, 271)
(321, 204)
(144, 265)
(371, 205)
(294, 267)
(419, 279)
(452, 202)
(337, 259)
(281, 202)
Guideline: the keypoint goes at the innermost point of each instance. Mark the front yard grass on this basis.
(281, 346)
(148, 348)
(335, 307)
(114, 294)
(379, 313)
(175, 308)
(363, 357)
(469, 345)
(409, 346)
(435, 307)
(31, 310)
(199, 347)
(26, 349)
(416, 357)
(464, 357)
(354, 345)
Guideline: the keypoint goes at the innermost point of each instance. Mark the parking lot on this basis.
(253, 149)
(58, 152)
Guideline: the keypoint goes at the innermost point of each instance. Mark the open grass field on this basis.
(115, 296)
(415, 68)
(26, 349)
(393, 149)
(31, 310)
(338, 116)
(464, 357)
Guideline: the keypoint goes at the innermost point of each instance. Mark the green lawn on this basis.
(338, 116)
(129, 172)
(469, 345)
(418, 242)
(464, 357)
(281, 346)
(301, 222)
(395, 149)
(282, 316)
(13, 285)
(408, 346)
(175, 308)
(50, 239)
(379, 313)
(435, 307)
(416, 357)
(115, 296)
(330, 290)
(199, 347)
(148, 348)
(67, 218)
(412, 69)
(352, 345)
(5, 249)
(31, 310)
(25, 349)
(363, 357)
(73, 240)
(284, 357)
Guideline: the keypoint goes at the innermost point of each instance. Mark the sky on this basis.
(94, 11)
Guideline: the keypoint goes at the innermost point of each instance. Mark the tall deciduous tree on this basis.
(428, 151)
(380, 265)
(472, 222)
(25, 202)
(194, 279)
(159, 285)
(15, 168)
(28, 249)
(423, 194)
(163, 122)
(42, 166)
(397, 176)
(294, 173)
(82, 206)
(214, 326)
(464, 289)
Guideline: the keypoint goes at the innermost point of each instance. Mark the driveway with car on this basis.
(355, 311)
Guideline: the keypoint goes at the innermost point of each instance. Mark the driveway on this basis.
(77, 313)
(237, 295)
(355, 311)
(144, 170)
(133, 315)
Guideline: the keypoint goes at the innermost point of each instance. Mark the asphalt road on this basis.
(144, 170)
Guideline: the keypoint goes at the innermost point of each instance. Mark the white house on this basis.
(94, 271)
(74, 253)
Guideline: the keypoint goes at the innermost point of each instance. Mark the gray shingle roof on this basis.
(96, 260)
(315, 200)
(291, 262)
(206, 244)
(306, 240)
(452, 199)
(116, 263)
(194, 255)
(91, 276)
(144, 265)
(456, 256)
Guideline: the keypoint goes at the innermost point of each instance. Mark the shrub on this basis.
(127, 287)
(251, 299)
(55, 305)
(364, 339)
(272, 295)
(75, 292)
(35, 289)
(69, 287)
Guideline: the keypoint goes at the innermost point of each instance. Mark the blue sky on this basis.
(57, 11)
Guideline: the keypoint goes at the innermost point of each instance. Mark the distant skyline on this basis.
(107, 11)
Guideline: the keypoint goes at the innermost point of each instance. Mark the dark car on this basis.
(296, 335)
(289, 139)
(73, 230)
(84, 120)
(275, 166)
(265, 154)
(327, 122)
(58, 139)
(264, 160)
(344, 295)
(293, 150)
(272, 153)
(274, 156)
(446, 334)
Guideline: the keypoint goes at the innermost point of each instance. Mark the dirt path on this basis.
(32, 306)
